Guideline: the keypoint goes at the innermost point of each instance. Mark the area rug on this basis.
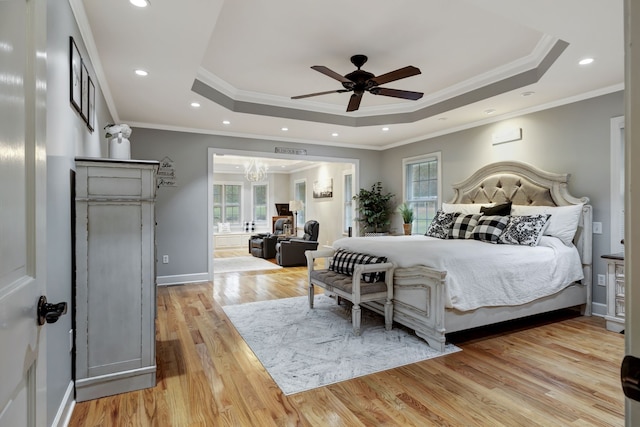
(304, 348)
(242, 263)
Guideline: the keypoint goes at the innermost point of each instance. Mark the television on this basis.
(283, 209)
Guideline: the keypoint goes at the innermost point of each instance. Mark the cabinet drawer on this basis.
(620, 307)
(620, 288)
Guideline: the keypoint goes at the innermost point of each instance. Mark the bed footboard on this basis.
(419, 303)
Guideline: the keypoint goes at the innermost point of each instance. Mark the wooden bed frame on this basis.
(419, 296)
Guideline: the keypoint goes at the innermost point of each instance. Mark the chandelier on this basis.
(255, 171)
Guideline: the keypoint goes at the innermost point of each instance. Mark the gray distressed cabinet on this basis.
(115, 294)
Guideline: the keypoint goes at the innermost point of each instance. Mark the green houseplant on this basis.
(407, 217)
(374, 208)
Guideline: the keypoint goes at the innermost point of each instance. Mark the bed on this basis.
(432, 280)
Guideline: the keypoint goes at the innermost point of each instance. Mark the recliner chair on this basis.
(263, 245)
(290, 252)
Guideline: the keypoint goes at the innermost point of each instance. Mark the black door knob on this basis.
(50, 313)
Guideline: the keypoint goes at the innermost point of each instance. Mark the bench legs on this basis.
(310, 295)
(388, 315)
(356, 313)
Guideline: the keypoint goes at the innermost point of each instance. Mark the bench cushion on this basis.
(344, 262)
(344, 282)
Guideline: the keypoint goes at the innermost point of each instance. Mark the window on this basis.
(617, 183)
(422, 189)
(347, 210)
(227, 199)
(260, 202)
(300, 193)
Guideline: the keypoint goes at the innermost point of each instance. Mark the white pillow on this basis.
(464, 208)
(562, 224)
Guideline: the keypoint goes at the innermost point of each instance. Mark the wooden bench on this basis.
(352, 287)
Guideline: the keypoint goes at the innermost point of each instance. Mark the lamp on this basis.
(295, 206)
(255, 171)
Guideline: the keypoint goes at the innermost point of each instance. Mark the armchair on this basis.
(290, 252)
(263, 245)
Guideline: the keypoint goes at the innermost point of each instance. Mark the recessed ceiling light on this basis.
(284, 129)
(142, 73)
(528, 93)
(139, 3)
(442, 119)
(334, 134)
(226, 122)
(489, 111)
(195, 104)
(385, 129)
(586, 61)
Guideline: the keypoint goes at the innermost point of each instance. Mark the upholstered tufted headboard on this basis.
(524, 184)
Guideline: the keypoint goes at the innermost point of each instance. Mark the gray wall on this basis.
(67, 137)
(573, 138)
(181, 212)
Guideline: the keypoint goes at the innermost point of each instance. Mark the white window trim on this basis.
(353, 211)
(253, 208)
(306, 198)
(616, 165)
(241, 184)
(418, 159)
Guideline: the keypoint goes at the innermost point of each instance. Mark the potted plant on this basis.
(407, 217)
(374, 209)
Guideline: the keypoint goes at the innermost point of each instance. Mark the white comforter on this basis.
(481, 274)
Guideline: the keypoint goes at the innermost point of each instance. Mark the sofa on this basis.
(263, 245)
(290, 252)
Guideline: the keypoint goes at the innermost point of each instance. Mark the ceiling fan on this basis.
(360, 81)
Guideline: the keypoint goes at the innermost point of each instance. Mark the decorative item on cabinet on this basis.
(115, 297)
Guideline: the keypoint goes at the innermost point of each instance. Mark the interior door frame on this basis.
(211, 151)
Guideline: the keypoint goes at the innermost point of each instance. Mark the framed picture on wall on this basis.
(75, 71)
(323, 188)
(84, 93)
(91, 101)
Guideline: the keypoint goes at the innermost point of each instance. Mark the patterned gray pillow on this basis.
(441, 224)
(524, 230)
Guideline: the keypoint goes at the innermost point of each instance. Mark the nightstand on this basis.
(615, 291)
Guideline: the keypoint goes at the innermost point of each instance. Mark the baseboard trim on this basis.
(63, 416)
(182, 279)
(598, 309)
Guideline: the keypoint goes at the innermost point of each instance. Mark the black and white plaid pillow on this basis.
(463, 226)
(344, 262)
(524, 230)
(489, 228)
(441, 224)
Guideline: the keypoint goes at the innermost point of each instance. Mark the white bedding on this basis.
(481, 274)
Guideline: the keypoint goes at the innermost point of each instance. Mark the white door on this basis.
(22, 213)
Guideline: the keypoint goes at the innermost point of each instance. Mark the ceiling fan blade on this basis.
(319, 93)
(354, 102)
(327, 72)
(398, 74)
(396, 93)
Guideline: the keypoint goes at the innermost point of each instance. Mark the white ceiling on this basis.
(243, 60)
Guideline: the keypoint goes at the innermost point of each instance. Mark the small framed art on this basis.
(84, 93)
(91, 101)
(75, 68)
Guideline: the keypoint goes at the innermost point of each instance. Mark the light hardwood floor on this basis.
(559, 371)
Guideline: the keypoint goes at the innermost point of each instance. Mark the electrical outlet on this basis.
(165, 259)
(597, 228)
(602, 281)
